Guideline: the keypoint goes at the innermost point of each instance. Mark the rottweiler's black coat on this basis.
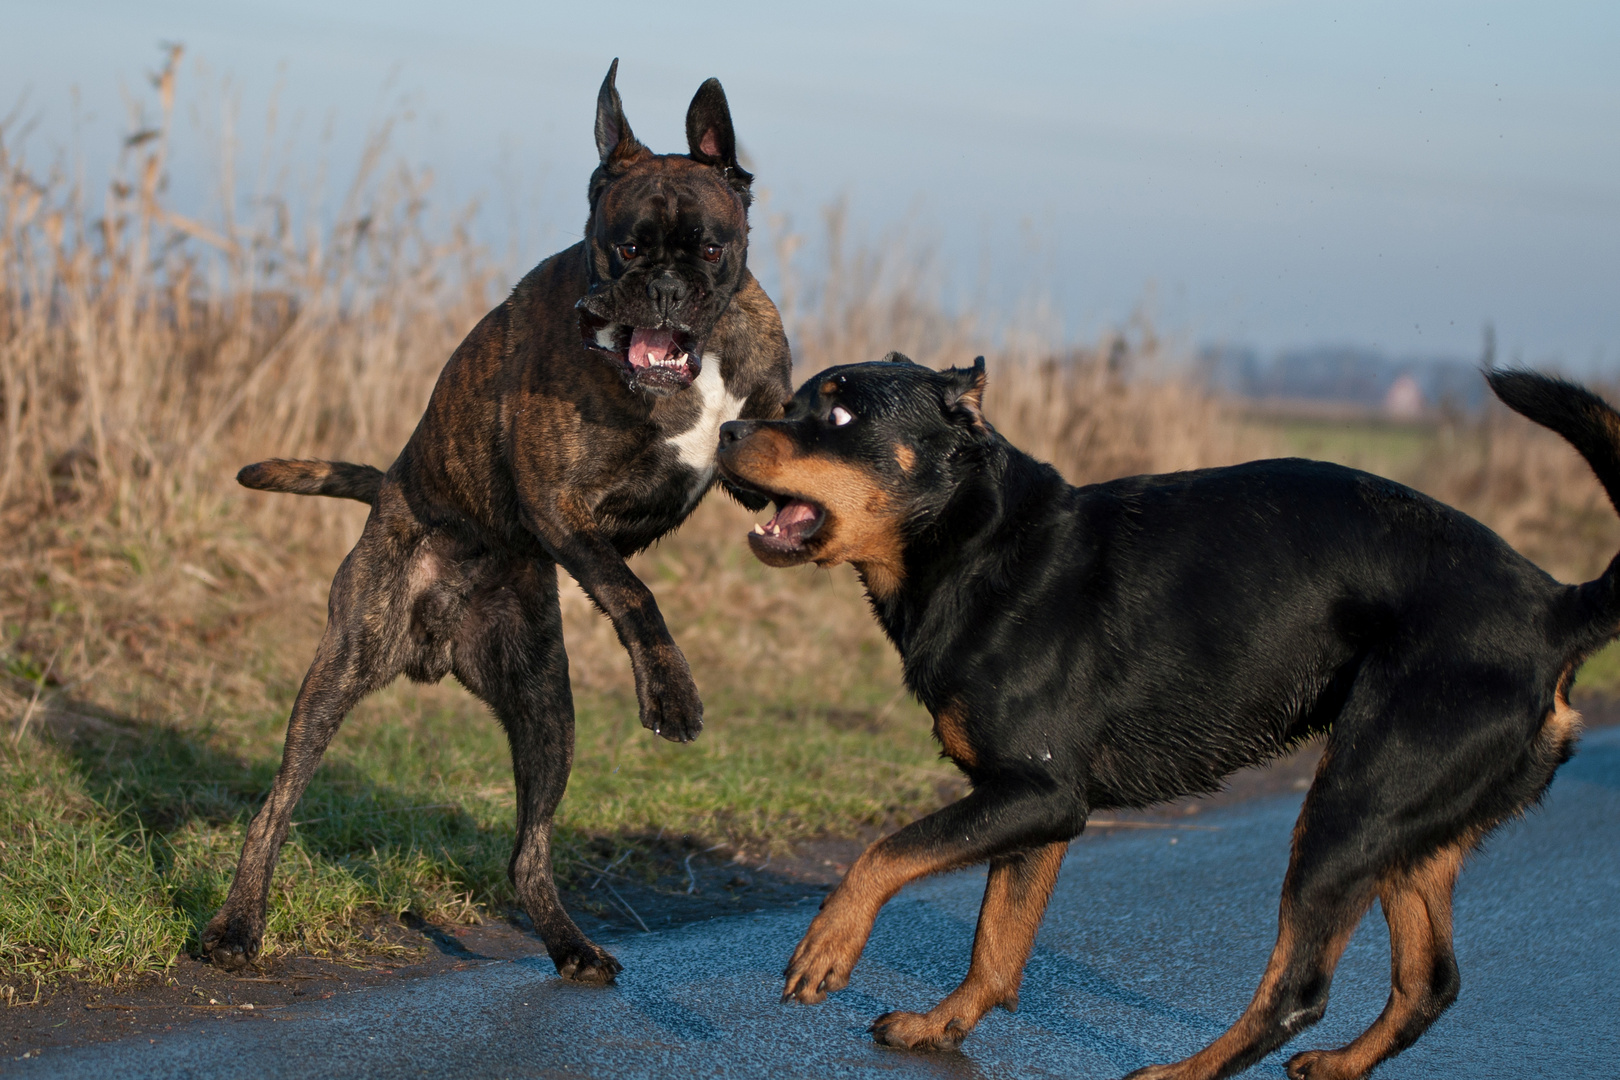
(576, 424)
(1129, 642)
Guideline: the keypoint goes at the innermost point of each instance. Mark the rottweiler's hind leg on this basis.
(1329, 886)
(510, 654)
(1423, 970)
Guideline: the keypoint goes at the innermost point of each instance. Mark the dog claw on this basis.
(914, 1031)
(228, 944)
(591, 968)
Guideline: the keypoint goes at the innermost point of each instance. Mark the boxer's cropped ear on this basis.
(964, 395)
(615, 143)
(710, 138)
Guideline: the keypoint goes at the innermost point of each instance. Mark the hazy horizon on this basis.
(1261, 174)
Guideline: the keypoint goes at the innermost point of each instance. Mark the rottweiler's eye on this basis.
(841, 416)
(628, 251)
(712, 252)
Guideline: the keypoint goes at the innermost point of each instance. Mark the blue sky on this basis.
(1280, 174)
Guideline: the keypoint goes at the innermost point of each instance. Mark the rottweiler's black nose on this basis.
(735, 431)
(667, 292)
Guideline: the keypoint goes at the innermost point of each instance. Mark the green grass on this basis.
(118, 848)
(1600, 675)
(1386, 447)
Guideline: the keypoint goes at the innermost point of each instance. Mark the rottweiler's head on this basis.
(863, 456)
(668, 237)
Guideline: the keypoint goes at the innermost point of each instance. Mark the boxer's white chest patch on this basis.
(696, 445)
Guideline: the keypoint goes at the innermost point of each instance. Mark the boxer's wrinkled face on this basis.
(669, 243)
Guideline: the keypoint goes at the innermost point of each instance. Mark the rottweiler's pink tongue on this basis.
(794, 513)
(648, 347)
(789, 523)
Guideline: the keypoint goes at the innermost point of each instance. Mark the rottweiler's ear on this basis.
(615, 143)
(710, 138)
(896, 358)
(964, 396)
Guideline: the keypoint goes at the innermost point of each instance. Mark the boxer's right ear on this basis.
(615, 143)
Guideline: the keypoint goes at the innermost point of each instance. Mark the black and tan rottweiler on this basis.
(1116, 645)
(575, 425)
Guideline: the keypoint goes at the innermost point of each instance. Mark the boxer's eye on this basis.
(628, 252)
(712, 252)
(841, 416)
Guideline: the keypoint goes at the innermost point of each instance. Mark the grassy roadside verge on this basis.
(122, 808)
(120, 843)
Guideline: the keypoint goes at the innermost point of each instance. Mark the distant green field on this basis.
(1399, 450)
(1386, 447)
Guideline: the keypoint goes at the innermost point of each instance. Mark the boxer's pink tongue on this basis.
(648, 347)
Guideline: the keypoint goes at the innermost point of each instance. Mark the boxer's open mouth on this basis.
(661, 359)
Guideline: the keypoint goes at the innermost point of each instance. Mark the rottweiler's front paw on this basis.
(232, 941)
(822, 963)
(589, 964)
(1323, 1065)
(920, 1031)
(670, 705)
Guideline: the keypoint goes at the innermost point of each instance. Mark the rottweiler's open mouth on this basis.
(795, 522)
(657, 358)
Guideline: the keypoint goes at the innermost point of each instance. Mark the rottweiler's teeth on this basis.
(759, 529)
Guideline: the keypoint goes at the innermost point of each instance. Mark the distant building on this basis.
(1404, 399)
(1347, 376)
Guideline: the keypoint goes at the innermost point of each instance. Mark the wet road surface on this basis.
(1153, 944)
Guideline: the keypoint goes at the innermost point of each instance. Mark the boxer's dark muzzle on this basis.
(661, 358)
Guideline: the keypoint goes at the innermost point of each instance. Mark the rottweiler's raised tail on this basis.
(1122, 644)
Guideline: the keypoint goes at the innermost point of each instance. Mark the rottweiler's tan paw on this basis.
(920, 1031)
(1322, 1065)
(822, 963)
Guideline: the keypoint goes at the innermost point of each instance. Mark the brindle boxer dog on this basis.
(574, 426)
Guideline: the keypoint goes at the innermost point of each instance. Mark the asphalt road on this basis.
(1153, 944)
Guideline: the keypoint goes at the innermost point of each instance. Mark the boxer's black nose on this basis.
(667, 292)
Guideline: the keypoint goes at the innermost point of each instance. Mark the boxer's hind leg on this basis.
(367, 615)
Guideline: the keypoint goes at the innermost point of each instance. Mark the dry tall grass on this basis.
(146, 354)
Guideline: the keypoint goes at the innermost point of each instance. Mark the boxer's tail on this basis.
(338, 479)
